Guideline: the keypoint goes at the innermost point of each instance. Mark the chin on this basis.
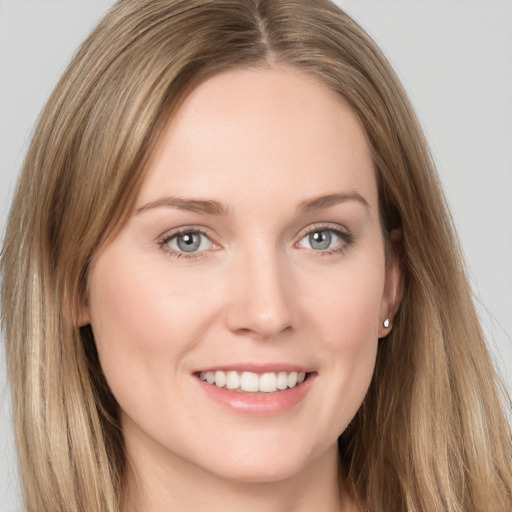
(258, 472)
(268, 463)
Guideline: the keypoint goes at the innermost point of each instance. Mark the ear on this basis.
(393, 285)
(84, 314)
(78, 315)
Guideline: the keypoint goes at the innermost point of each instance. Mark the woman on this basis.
(230, 279)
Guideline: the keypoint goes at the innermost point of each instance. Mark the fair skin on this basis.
(255, 246)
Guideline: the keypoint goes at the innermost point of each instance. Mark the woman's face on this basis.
(237, 313)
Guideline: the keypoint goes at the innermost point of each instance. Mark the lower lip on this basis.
(258, 404)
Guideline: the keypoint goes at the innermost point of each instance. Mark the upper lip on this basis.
(257, 368)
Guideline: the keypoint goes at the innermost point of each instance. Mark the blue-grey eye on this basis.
(189, 241)
(321, 240)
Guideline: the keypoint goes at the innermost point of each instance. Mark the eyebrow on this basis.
(212, 207)
(326, 201)
(208, 206)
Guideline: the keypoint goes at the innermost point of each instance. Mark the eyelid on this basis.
(319, 226)
(164, 239)
(346, 236)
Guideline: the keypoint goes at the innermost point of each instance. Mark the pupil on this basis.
(189, 242)
(320, 240)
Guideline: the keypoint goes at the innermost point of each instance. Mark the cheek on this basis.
(138, 306)
(143, 323)
(346, 317)
(354, 336)
(348, 305)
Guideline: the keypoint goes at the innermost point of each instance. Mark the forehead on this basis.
(260, 132)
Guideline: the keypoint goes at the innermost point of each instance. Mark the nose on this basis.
(260, 295)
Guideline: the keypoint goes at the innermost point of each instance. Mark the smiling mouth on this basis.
(250, 382)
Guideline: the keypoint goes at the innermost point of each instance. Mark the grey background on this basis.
(455, 59)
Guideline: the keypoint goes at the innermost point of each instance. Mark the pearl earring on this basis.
(386, 323)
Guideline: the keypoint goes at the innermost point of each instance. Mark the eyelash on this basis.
(163, 243)
(346, 237)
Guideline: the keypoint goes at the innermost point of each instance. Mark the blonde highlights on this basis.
(431, 433)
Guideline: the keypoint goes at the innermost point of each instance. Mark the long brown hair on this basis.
(431, 433)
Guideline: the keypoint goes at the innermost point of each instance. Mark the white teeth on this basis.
(282, 380)
(268, 382)
(250, 382)
(292, 379)
(220, 379)
(232, 380)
